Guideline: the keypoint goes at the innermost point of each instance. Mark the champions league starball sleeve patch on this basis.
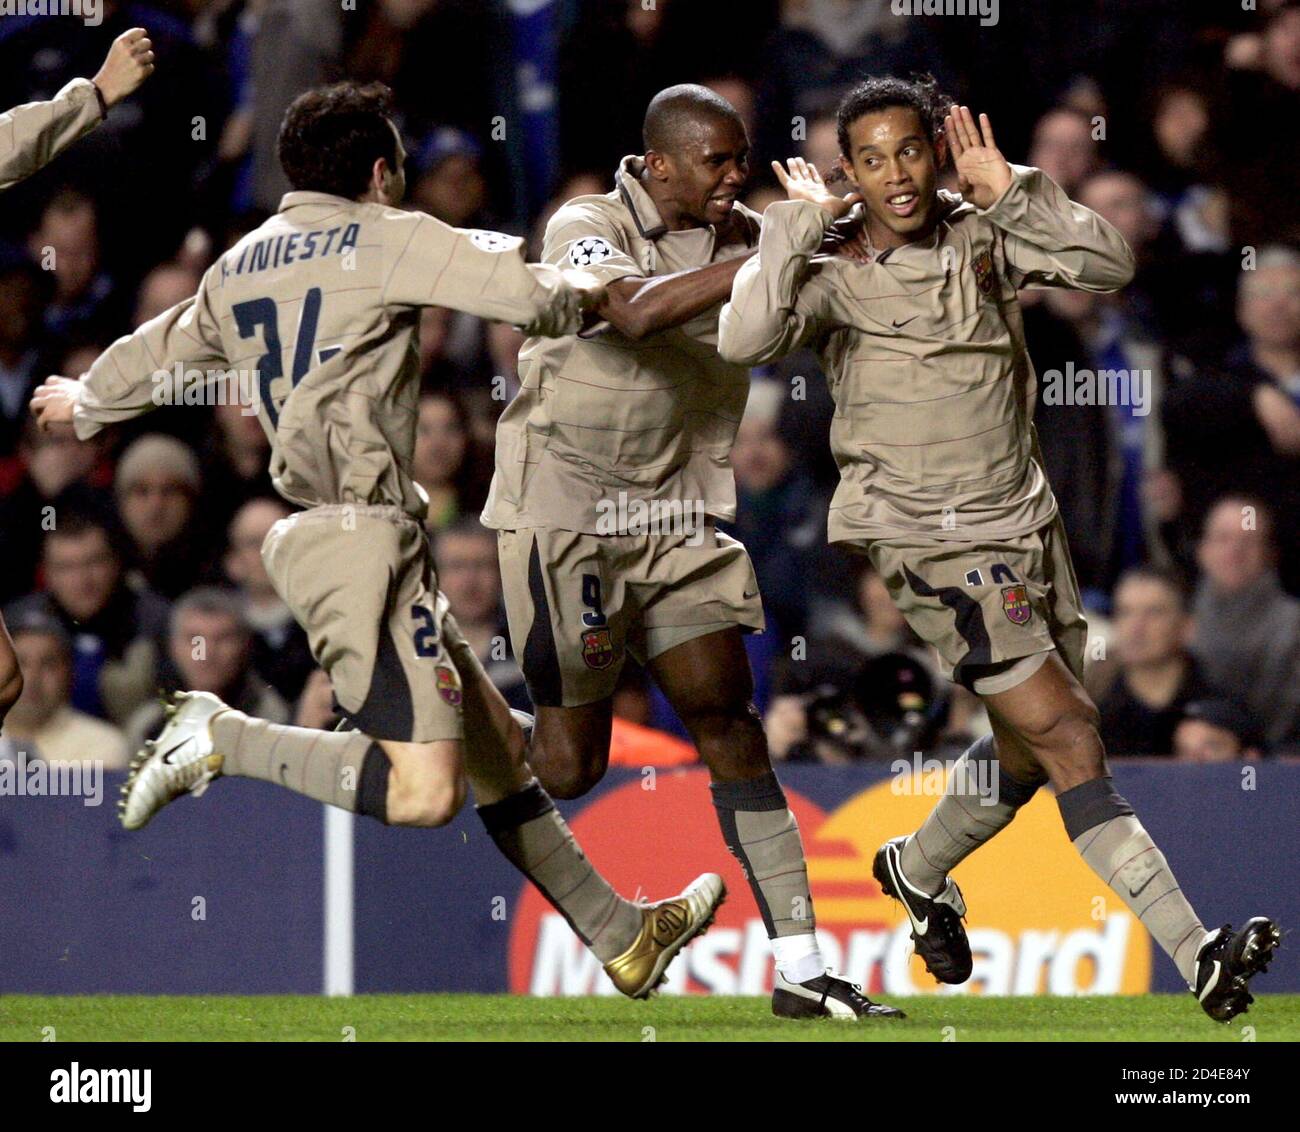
(492, 241)
(589, 251)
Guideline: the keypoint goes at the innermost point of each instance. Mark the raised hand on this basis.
(128, 64)
(802, 182)
(983, 174)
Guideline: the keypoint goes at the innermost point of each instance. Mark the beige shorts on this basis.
(577, 603)
(360, 581)
(986, 605)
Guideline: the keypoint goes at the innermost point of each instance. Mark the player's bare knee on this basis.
(1070, 738)
(568, 761)
(719, 719)
(566, 777)
(427, 805)
(730, 738)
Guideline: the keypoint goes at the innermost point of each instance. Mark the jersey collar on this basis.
(644, 213)
(301, 197)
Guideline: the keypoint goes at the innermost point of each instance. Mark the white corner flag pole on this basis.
(338, 901)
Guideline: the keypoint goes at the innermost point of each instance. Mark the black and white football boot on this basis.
(826, 996)
(937, 929)
(1228, 960)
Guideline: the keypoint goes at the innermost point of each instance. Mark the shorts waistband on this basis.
(387, 511)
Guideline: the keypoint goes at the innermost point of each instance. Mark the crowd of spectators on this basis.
(130, 563)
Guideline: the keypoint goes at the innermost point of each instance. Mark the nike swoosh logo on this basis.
(167, 755)
(900, 325)
(1213, 980)
(1135, 891)
(920, 927)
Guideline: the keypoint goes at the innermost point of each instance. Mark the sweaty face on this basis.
(895, 167)
(707, 169)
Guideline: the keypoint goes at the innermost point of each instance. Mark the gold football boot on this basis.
(666, 927)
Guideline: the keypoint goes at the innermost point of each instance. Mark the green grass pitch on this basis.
(452, 1017)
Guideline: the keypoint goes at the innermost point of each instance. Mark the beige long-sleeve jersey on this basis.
(925, 355)
(600, 416)
(316, 314)
(35, 133)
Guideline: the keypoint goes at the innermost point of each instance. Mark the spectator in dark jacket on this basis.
(1236, 427)
(116, 630)
(1157, 674)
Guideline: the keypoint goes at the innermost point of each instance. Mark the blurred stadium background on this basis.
(1177, 121)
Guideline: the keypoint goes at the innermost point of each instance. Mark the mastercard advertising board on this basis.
(1040, 921)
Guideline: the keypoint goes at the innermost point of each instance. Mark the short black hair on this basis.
(332, 136)
(81, 513)
(920, 93)
(675, 107)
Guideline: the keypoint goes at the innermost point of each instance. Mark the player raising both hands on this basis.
(943, 489)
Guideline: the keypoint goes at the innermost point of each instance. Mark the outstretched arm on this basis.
(127, 379)
(775, 307)
(638, 307)
(33, 134)
(1049, 240)
(483, 273)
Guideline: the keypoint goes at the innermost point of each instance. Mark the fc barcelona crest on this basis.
(448, 684)
(984, 272)
(1015, 604)
(597, 648)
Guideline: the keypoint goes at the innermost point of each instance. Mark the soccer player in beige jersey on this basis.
(33, 135)
(612, 465)
(322, 303)
(941, 486)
